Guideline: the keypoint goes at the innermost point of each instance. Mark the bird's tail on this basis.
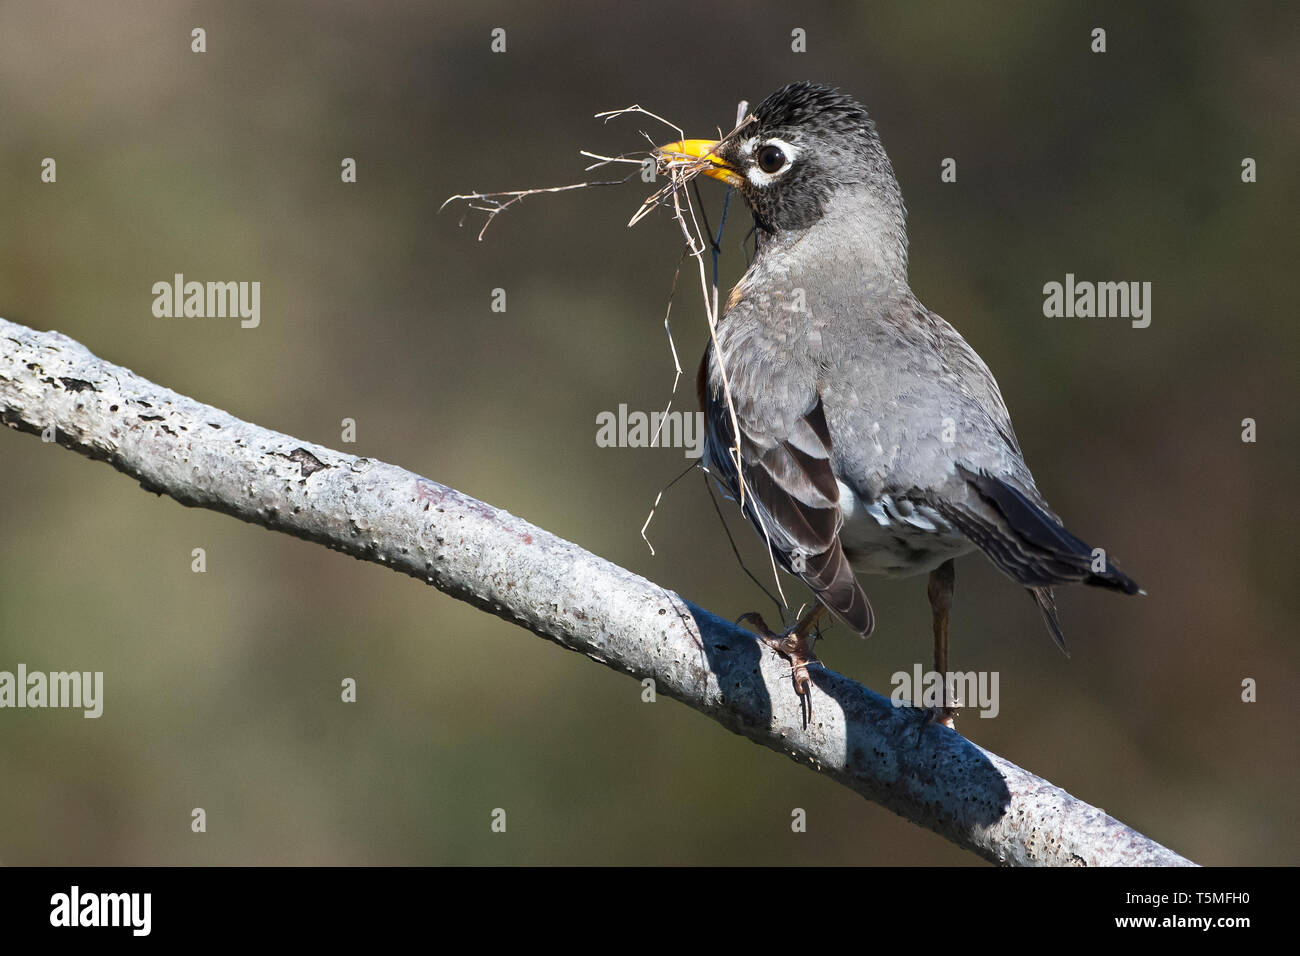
(1046, 602)
(1031, 545)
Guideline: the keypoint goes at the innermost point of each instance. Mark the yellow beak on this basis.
(696, 150)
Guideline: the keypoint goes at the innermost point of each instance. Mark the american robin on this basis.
(871, 437)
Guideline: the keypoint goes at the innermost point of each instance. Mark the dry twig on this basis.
(681, 170)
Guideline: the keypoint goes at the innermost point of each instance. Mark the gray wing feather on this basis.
(791, 496)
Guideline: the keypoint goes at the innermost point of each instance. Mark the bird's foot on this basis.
(926, 717)
(945, 716)
(796, 646)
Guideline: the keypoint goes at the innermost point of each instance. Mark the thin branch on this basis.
(204, 457)
(494, 204)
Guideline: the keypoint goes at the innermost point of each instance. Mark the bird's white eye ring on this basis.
(769, 160)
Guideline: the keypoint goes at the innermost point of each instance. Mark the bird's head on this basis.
(800, 148)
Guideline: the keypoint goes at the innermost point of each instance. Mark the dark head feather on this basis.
(835, 146)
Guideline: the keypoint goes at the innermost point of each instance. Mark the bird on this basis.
(857, 428)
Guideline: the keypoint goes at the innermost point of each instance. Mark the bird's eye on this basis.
(771, 159)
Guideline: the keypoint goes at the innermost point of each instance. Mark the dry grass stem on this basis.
(680, 170)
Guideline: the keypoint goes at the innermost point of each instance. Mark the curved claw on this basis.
(796, 646)
(944, 716)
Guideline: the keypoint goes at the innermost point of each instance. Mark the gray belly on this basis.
(896, 537)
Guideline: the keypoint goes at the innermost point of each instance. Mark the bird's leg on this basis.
(940, 593)
(796, 646)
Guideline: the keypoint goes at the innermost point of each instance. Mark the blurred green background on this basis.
(222, 689)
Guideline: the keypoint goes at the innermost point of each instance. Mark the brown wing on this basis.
(790, 495)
